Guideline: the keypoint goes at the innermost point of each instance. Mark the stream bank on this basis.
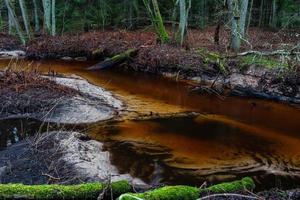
(210, 70)
(54, 99)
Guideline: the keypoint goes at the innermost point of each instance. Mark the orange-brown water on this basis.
(232, 138)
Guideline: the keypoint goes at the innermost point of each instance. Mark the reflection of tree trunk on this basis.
(14, 21)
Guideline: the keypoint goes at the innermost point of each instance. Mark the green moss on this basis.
(83, 191)
(262, 61)
(189, 193)
(166, 193)
(240, 185)
(213, 57)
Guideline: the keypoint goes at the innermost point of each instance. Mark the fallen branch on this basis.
(83, 191)
(272, 53)
(115, 60)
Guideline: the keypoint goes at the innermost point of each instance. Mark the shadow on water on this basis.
(232, 139)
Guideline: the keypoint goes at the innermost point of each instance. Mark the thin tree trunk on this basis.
(47, 15)
(261, 13)
(53, 27)
(14, 21)
(174, 17)
(25, 18)
(202, 14)
(160, 24)
(157, 20)
(183, 21)
(64, 16)
(36, 17)
(250, 15)
(234, 18)
(1, 19)
(274, 16)
(243, 16)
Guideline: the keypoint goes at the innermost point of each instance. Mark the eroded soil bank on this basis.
(211, 67)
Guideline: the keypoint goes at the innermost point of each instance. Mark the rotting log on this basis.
(115, 60)
(190, 193)
(47, 192)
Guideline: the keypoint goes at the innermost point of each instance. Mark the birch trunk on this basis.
(25, 18)
(1, 19)
(234, 19)
(36, 17)
(243, 16)
(273, 21)
(250, 15)
(53, 27)
(47, 15)
(183, 21)
(14, 21)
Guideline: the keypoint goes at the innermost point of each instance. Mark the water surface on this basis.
(231, 138)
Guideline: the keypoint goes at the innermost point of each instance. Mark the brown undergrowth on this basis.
(25, 90)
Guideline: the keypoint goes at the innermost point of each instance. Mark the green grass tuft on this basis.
(262, 61)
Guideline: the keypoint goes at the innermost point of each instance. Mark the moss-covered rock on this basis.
(245, 184)
(45, 192)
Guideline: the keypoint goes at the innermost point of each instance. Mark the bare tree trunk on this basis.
(243, 16)
(273, 21)
(14, 21)
(233, 7)
(250, 15)
(174, 17)
(25, 18)
(47, 15)
(157, 20)
(261, 14)
(53, 27)
(183, 21)
(36, 17)
(202, 14)
(1, 19)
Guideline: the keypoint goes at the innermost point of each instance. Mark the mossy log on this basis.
(190, 193)
(245, 184)
(115, 60)
(56, 192)
(165, 193)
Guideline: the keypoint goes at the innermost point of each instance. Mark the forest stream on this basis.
(230, 138)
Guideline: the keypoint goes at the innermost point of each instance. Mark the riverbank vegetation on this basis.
(121, 191)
